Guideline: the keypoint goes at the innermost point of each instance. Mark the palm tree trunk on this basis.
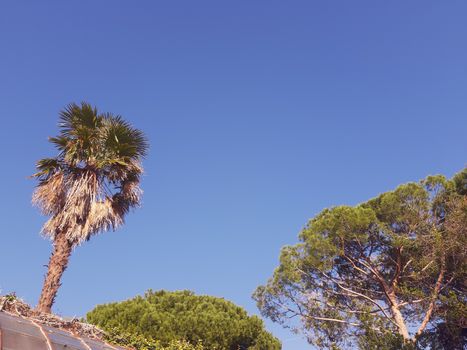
(57, 264)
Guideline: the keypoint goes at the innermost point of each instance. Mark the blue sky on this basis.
(259, 114)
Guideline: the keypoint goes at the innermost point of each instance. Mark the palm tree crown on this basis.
(94, 180)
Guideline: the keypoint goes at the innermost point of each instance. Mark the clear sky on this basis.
(259, 114)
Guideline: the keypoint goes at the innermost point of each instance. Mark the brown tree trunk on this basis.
(57, 264)
(434, 297)
(399, 319)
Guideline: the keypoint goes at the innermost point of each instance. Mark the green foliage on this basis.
(367, 275)
(11, 297)
(182, 345)
(121, 337)
(159, 318)
(378, 341)
(444, 336)
(102, 142)
(374, 337)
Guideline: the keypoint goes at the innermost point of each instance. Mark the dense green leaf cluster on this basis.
(158, 318)
(91, 139)
(121, 337)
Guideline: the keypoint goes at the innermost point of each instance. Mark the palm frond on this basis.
(60, 142)
(50, 195)
(46, 167)
(122, 139)
(79, 131)
(74, 117)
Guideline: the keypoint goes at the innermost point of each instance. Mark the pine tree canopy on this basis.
(162, 317)
(391, 270)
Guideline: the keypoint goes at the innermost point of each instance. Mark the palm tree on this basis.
(88, 187)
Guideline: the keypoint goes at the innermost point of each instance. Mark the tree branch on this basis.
(360, 295)
(398, 263)
(431, 307)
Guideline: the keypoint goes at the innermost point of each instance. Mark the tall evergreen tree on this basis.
(390, 270)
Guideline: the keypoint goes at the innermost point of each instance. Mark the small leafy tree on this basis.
(159, 318)
(89, 186)
(386, 272)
